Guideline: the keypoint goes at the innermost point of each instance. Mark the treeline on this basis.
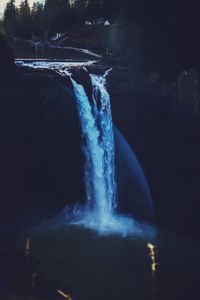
(163, 32)
(167, 18)
(24, 20)
(57, 15)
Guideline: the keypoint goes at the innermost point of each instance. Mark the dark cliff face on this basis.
(161, 123)
(6, 56)
(40, 147)
(40, 142)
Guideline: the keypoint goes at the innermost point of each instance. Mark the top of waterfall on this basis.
(107, 72)
(63, 72)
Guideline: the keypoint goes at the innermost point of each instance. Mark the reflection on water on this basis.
(27, 246)
(152, 254)
(33, 280)
(91, 267)
(64, 295)
(68, 260)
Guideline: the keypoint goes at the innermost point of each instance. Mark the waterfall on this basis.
(100, 211)
(95, 181)
(99, 152)
(103, 116)
(96, 124)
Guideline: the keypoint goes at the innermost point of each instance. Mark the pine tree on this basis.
(80, 11)
(57, 15)
(25, 19)
(10, 19)
(37, 14)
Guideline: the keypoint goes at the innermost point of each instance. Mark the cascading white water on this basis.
(98, 146)
(96, 124)
(103, 116)
(95, 181)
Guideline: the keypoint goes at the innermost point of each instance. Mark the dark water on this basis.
(91, 267)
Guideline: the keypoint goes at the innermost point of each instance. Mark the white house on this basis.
(88, 23)
(106, 23)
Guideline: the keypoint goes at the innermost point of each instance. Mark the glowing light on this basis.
(152, 254)
(33, 280)
(27, 247)
(66, 296)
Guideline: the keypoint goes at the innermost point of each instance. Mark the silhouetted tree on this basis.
(1, 27)
(10, 18)
(95, 8)
(57, 15)
(79, 8)
(37, 14)
(25, 19)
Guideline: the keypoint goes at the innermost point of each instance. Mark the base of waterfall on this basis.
(88, 266)
(108, 224)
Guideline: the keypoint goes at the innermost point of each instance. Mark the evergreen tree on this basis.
(80, 11)
(57, 15)
(25, 19)
(95, 9)
(37, 14)
(10, 17)
(1, 28)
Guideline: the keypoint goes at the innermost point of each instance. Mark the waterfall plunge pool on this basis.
(86, 266)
